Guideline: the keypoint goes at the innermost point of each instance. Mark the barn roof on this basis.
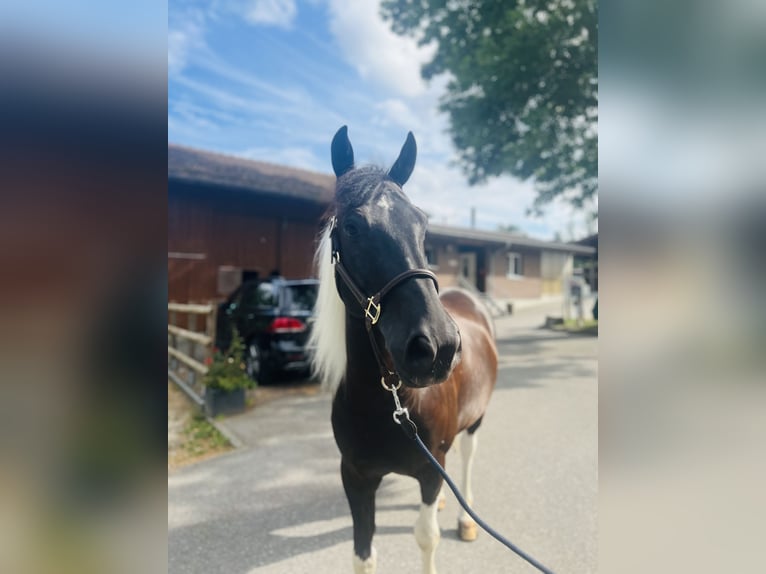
(197, 166)
(504, 238)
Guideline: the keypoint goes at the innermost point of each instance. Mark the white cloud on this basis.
(247, 80)
(280, 13)
(185, 34)
(442, 191)
(369, 45)
(396, 112)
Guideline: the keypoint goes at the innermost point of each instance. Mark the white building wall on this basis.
(554, 267)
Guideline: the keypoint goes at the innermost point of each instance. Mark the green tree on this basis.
(522, 93)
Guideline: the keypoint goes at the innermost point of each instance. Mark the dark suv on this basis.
(273, 316)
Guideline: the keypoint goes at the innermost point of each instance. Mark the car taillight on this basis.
(286, 325)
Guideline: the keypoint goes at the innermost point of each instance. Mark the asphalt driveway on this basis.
(277, 505)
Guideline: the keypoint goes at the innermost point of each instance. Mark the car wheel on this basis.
(253, 361)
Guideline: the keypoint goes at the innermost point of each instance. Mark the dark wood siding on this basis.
(211, 227)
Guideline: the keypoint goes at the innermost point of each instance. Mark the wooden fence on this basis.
(188, 347)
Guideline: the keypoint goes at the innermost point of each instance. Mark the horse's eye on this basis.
(351, 229)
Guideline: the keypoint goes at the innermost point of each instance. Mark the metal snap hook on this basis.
(391, 388)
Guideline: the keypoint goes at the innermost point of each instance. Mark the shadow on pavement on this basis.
(243, 541)
(284, 514)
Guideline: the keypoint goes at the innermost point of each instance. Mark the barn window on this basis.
(515, 265)
(431, 258)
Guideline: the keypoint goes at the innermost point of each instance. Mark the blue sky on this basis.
(273, 80)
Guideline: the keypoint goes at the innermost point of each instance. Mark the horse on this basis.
(439, 350)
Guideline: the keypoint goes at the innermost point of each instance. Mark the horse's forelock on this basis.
(354, 187)
(328, 336)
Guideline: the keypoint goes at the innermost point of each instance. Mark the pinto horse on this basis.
(440, 347)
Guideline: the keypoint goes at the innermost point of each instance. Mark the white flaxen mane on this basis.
(328, 336)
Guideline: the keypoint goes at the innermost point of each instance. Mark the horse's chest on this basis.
(373, 443)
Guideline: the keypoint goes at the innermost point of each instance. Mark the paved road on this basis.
(277, 506)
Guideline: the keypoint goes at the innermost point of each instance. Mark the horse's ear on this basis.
(401, 171)
(342, 152)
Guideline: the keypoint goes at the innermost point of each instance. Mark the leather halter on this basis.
(371, 306)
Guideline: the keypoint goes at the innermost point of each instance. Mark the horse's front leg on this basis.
(360, 491)
(427, 532)
(467, 529)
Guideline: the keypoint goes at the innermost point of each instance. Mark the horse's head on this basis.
(379, 234)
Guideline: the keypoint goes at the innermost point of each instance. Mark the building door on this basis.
(481, 271)
(468, 267)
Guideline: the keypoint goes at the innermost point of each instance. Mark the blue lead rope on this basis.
(411, 431)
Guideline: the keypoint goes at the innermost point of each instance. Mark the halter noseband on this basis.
(371, 306)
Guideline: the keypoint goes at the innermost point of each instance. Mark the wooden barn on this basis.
(231, 219)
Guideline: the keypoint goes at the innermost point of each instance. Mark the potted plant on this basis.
(226, 379)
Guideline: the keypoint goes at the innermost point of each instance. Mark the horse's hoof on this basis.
(468, 531)
(442, 503)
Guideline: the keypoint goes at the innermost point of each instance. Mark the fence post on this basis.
(210, 323)
(191, 320)
(210, 327)
(187, 348)
(173, 340)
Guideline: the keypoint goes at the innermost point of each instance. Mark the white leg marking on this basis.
(427, 535)
(468, 444)
(366, 566)
(441, 500)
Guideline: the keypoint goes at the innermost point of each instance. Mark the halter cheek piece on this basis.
(371, 308)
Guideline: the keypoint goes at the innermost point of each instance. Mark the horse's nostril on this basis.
(420, 354)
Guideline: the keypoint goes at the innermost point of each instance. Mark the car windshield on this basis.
(300, 297)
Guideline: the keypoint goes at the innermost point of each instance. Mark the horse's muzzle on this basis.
(428, 363)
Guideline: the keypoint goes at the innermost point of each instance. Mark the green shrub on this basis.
(226, 371)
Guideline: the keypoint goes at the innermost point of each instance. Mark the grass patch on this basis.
(202, 438)
(190, 436)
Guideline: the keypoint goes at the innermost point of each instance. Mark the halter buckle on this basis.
(372, 306)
